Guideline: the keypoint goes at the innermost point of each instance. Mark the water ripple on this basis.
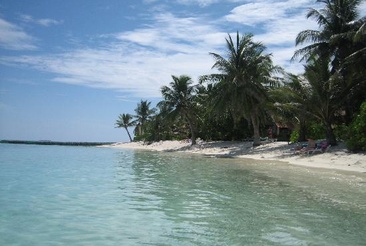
(89, 196)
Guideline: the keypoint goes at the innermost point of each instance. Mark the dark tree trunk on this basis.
(256, 135)
(331, 139)
(192, 127)
(302, 132)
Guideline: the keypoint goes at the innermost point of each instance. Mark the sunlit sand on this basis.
(337, 157)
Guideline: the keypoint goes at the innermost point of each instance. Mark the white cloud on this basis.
(201, 3)
(42, 22)
(139, 72)
(255, 13)
(172, 34)
(277, 24)
(139, 61)
(362, 9)
(204, 3)
(13, 37)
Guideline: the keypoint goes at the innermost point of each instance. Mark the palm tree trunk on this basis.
(256, 135)
(302, 132)
(193, 134)
(192, 127)
(129, 135)
(331, 139)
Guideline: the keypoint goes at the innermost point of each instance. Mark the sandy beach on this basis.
(336, 157)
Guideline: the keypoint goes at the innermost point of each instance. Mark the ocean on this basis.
(59, 195)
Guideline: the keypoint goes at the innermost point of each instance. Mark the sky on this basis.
(68, 68)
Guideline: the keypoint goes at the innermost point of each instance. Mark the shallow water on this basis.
(52, 195)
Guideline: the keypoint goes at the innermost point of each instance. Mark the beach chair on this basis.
(321, 148)
(313, 151)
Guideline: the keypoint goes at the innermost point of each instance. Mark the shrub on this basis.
(357, 131)
(294, 136)
(316, 131)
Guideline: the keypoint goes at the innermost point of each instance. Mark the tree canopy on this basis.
(249, 94)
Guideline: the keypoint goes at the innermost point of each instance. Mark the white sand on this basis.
(335, 158)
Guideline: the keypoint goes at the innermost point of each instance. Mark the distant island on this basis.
(48, 142)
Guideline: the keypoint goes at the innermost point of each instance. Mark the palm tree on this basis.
(143, 114)
(290, 103)
(325, 94)
(124, 120)
(354, 64)
(179, 98)
(241, 84)
(340, 40)
(330, 41)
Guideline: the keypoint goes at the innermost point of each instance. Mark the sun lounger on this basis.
(319, 149)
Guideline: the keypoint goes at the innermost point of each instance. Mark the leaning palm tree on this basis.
(125, 121)
(241, 84)
(179, 98)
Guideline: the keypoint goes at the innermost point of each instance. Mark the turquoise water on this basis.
(52, 195)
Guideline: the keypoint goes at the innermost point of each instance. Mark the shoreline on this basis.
(59, 143)
(336, 158)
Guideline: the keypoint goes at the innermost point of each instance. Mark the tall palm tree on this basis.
(325, 94)
(143, 114)
(340, 40)
(125, 121)
(330, 41)
(291, 102)
(354, 64)
(179, 98)
(242, 79)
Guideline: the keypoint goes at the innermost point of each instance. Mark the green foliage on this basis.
(341, 132)
(294, 136)
(180, 101)
(245, 74)
(316, 131)
(240, 99)
(125, 121)
(357, 131)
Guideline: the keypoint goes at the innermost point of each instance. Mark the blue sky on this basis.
(68, 68)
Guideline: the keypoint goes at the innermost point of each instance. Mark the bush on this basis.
(357, 131)
(316, 131)
(294, 136)
(341, 132)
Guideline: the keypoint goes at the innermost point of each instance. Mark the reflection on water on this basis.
(227, 203)
(89, 196)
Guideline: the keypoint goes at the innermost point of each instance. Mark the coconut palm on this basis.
(125, 121)
(143, 114)
(241, 82)
(330, 41)
(341, 41)
(290, 103)
(325, 94)
(179, 98)
(354, 66)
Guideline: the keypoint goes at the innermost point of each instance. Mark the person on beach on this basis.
(310, 146)
(270, 133)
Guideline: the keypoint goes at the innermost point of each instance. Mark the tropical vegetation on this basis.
(125, 121)
(248, 94)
